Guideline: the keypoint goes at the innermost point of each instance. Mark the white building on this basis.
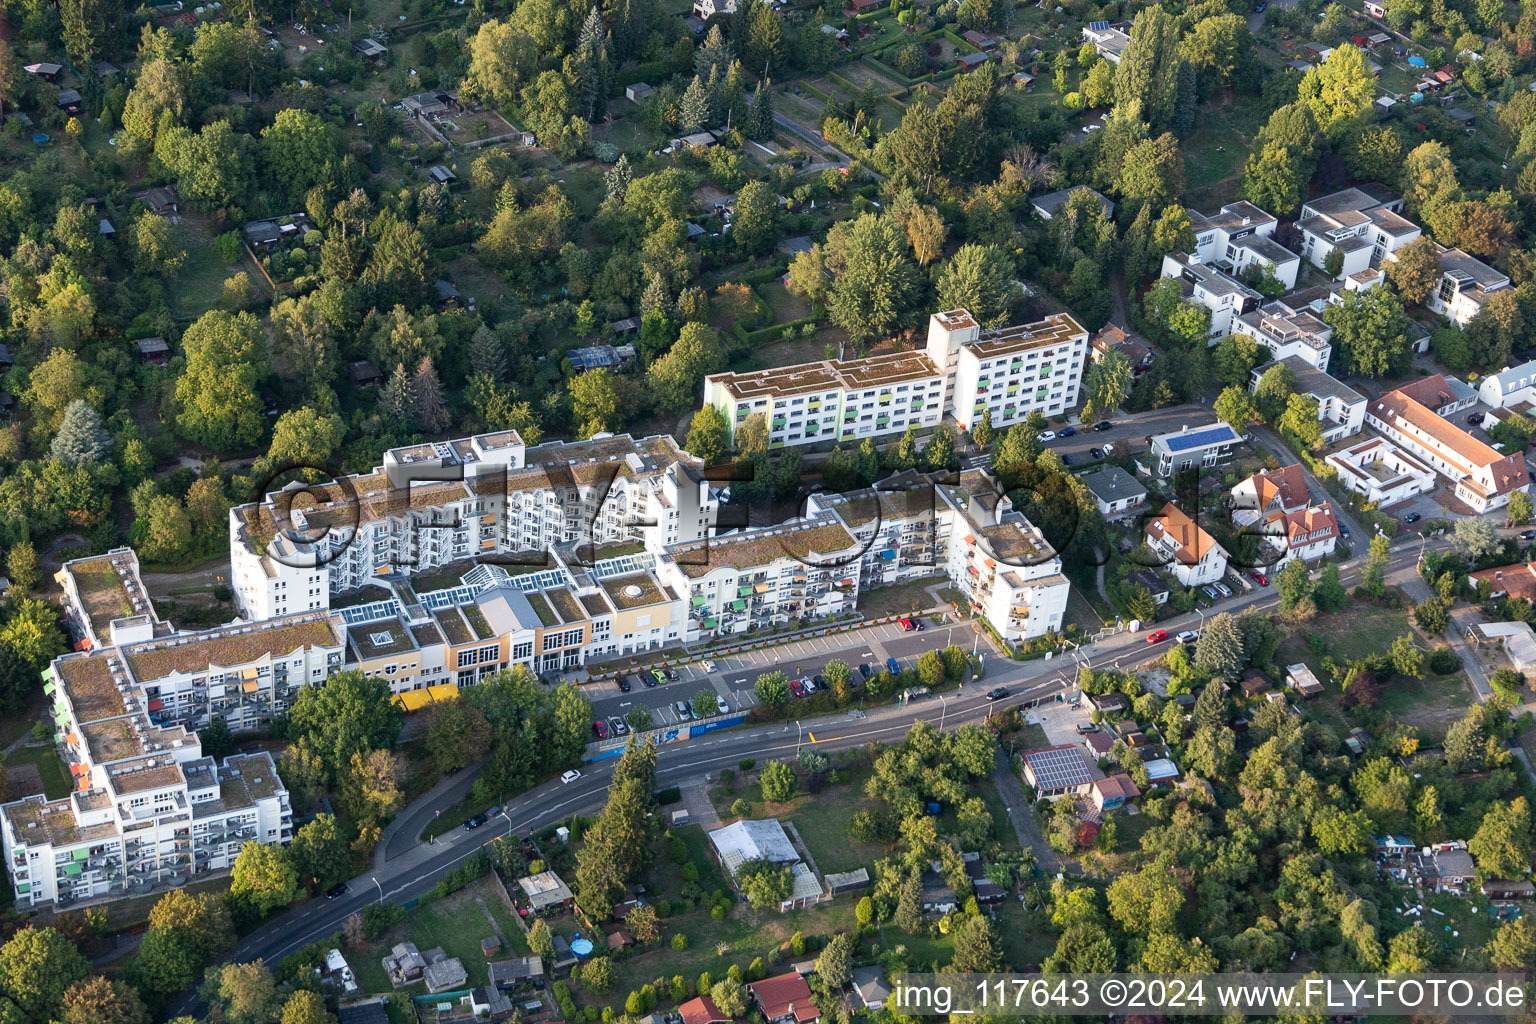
(1206, 446)
(1241, 235)
(1411, 417)
(1191, 554)
(1513, 385)
(707, 9)
(1306, 534)
(1109, 41)
(1364, 223)
(1289, 332)
(1382, 472)
(965, 370)
(1465, 285)
(1273, 491)
(1340, 408)
(1115, 492)
(1226, 297)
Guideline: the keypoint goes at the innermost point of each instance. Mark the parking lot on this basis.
(732, 677)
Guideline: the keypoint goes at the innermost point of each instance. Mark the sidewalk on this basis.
(401, 832)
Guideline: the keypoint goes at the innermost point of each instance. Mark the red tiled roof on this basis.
(775, 996)
(701, 1011)
(1503, 473)
(1300, 526)
(1117, 785)
(1514, 580)
(1289, 482)
(1192, 542)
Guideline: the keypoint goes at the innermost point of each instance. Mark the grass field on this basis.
(49, 767)
(1213, 159)
(457, 924)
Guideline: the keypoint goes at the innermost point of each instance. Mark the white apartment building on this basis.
(1226, 297)
(1240, 235)
(1466, 283)
(1364, 223)
(1410, 417)
(484, 498)
(1511, 386)
(1340, 408)
(1289, 332)
(1184, 548)
(1382, 472)
(964, 370)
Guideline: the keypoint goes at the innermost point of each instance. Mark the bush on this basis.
(227, 247)
(728, 776)
(669, 796)
(605, 152)
(746, 764)
(690, 872)
(1444, 661)
(663, 908)
(677, 850)
(379, 918)
(680, 941)
(741, 808)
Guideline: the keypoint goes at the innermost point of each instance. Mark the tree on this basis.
(758, 124)
(976, 948)
(31, 634)
(264, 877)
(350, 714)
(978, 278)
(1517, 513)
(1145, 902)
(297, 151)
(595, 395)
(21, 563)
(982, 432)
(778, 782)
(1373, 574)
(908, 915)
(1273, 179)
(730, 996)
(678, 376)
(305, 1007)
(597, 974)
(37, 966)
(755, 222)
(1340, 91)
(303, 437)
(244, 993)
(81, 441)
(1502, 843)
(1233, 360)
(874, 282)
(1414, 270)
(216, 393)
(833, 964)
(1329, 594)
(1220, 647)
(202, 919)
(320, 852)
(1299, 424)
(1513, 946)
(764, 883)
(939, 453)
(1407, 660)
(157, 91)
(1148, 71)
(431, 409)
(708, 436)
(772, 689)
(1106, 384)
(1428, 177)
(1235, 407)
(96, 1000)
(1475, 537)
(1370, 330)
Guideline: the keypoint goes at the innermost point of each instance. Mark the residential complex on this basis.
(1414, 418)
(1289, 332)
(1364, 224)
(1226, 297)
(964, 370)
(1382, 472)
(1465, 285)
(1340, 408)
(1241, 235)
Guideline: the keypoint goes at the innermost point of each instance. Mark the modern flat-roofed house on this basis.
(1382, 472)
(1412, 417)
(1240, 235)
(1288, 331)
(1115, 492)
(1340, 408)
(1224, 295)
(1109, 41)
(1191, 554)
(1205, 446)
(1364, 223)
(1512, 385)
(1057, 771)
(1465, 285)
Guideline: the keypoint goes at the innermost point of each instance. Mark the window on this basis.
(522, 651)
(551, 642)
(466, 659)
(572, 638)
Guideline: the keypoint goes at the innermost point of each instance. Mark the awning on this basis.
(991, 563)
(73, 869)
(248, 673)
(73, 738)
(761, 588)
(743, 591)
(85, 783)
(81, 854)
(739, 606)
(77, 769)
(888, 555)
(23, 887)
(698, 600)
(48, 688)
(155, 704)
(709, 623)
(249, 686)
(969, 539)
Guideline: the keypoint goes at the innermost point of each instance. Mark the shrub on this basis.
(663, 908)
(680, 941)
(690, 872)
(677, 850)
(746, 764)
(1444, 661)
(605, 152)
(669, 796)
(728, 776)
(741, 808)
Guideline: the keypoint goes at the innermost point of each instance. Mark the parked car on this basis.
(1157, 636)
(890, 663)
(1473, 418)
(618, 725)
(684, 712)
(997, 693)
(1189, 636)
(671, 675)
(1225, 590)
(1066, 460)
(1084, 728)
(797, 688)
(820, 681)
(1097, 453)
(1210, 592)
(1066, 432)
(707, 665)
(570, 776)
(721, 706)
(475, 822)
(1091, 127)
(1261, 7)
(1044, 436)
(1259, 578)
(600, 729)
(810, 686)
(653, 677)
(623, 681)
(865, 670)
(1103, 425)
(337, 891)
(905, 624)
(1344, 531)
(1528, 535)
(1412, 517)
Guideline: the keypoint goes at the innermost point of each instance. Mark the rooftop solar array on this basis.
(1058, 767)
(1218, 434)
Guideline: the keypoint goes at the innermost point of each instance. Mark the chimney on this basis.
(1247, 221)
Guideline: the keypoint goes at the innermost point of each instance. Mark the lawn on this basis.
(457, 923)
(1358, 630)
(786, 307)
(821, 818)
(896, 599)
(1214, 157)
(46, 760)
(199, 285)
(1432, 703)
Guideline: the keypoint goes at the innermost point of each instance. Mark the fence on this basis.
(666, 734)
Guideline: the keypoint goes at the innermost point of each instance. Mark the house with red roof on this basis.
(785, 999)
(1188, 551)
(702, 1011)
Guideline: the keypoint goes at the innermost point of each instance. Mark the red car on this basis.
(795, 688)
(1157, 636)
(1259, 578)
(905, 624)
(601, 729)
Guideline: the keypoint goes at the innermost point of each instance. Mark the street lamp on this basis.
(375, 880)
(799, 733)
(943, 710)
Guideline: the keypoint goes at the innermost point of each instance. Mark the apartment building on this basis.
(1382, 472)
(1241, 235)
(1511, 386)
(1364, 224)
(896, 523)
(1412, 418)
(1340, 408)
(485, 498)
(964, 370)
(1224, 295)
(1288, 332)
(1465, 285)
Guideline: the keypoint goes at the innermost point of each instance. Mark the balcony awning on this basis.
(698, 600)
(77, 769)
(974, 571)
(73, 869)
(991, 563)
(48, 687)
(743, 591)
(969, 539)
(709, 623)
(85, 783)
(739, 606)
(888, 555)
(81, 854)
(23, 887)
(249, 686)
(156, 704)
(761, 588)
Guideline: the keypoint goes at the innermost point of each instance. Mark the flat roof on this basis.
(1059, 767)
(829, 374)
(1202, 437)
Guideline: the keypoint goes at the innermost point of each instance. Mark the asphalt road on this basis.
(1158, 421)
(418, 868)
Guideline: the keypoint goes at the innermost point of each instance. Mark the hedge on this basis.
(655, 71)
(669, 796)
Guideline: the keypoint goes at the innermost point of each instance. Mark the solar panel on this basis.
(1058, 768)
(1219, 434)
(1098, 26)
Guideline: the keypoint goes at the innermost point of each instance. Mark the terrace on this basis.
(757, 549)
(91, 689)
(113, 740)
(229, 647)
